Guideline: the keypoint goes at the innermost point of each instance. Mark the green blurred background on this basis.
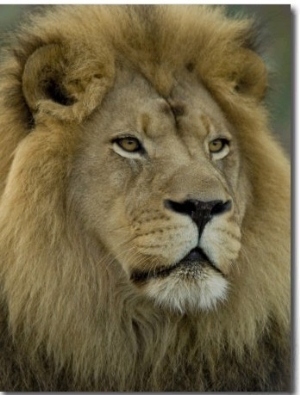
(276, 22)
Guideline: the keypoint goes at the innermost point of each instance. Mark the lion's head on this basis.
(173, 203)
(141, 191)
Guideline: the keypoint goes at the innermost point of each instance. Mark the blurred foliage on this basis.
(276, 23)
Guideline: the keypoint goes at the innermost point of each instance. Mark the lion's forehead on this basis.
(189, 109)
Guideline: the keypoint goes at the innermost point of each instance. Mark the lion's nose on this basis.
(200, 212)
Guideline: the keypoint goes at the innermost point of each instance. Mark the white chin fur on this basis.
(180, 295)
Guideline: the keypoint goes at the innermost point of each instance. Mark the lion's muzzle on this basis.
(200, 212)
(196, 258)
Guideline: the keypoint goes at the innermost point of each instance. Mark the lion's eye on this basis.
(217, 145)
(219, 148)
(129, 144)
(128, 147)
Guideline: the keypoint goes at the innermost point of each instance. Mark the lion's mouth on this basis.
(195, 257)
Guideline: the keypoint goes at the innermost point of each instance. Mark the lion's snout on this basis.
(200, 212)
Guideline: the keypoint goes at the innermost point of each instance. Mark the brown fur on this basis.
(70, 319)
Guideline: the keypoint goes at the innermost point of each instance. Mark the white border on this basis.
(295, 211)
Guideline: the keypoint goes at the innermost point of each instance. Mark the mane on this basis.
(54, 277)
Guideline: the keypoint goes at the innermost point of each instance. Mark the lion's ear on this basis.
(62, 85)
(251, 77)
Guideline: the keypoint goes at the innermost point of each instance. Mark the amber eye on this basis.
(217, 145)
(129, 144)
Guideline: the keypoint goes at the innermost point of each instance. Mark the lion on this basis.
(144, 212)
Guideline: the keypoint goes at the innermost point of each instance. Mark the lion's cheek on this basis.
(148, 240)
(170, 242)
(157, 249)
(222, 243)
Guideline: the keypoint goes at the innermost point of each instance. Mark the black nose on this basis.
(200, 212)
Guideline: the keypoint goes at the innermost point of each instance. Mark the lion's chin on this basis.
(194, 283)
(191, 266)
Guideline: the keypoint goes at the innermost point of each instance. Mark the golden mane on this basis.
(69, 323)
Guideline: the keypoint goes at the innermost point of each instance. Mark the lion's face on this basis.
(158, 186)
